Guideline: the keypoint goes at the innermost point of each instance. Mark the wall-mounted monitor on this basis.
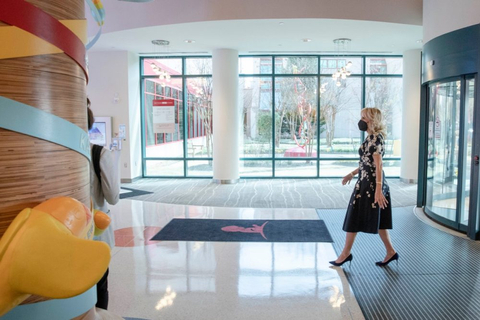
(101, 132)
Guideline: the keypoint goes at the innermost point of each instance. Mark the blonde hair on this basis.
(376, 121)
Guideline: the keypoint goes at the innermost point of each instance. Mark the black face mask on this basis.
(362, 125)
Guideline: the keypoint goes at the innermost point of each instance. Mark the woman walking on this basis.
(369, 209)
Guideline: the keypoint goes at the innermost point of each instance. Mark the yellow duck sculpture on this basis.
(48, 251)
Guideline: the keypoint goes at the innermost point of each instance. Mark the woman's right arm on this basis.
(349, 176)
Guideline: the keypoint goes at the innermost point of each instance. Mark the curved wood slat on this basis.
(64, 65)
(61, 9)
(36, 82)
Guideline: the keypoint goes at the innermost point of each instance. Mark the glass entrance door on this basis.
(450, 143)
(443, 138)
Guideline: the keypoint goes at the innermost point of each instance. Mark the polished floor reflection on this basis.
(221, 280)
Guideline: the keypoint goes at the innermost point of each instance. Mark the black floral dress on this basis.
(363, 214)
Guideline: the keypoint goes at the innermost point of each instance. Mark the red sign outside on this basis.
(164, 116)
(164, 103)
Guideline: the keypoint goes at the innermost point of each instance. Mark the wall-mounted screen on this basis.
(101, 132)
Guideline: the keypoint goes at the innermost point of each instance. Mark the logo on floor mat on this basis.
(254, 229)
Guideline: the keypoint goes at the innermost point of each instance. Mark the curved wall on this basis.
(453, 54)
(443, 16)
(127, 15)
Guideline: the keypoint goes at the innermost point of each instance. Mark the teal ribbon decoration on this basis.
(94, 40)
(58, 309)
(22, 118)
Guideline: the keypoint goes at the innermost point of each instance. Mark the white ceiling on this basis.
(267, 36)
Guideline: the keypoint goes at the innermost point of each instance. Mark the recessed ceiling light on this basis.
(281, 23)
(161, 42)
(306, 40)
(420, 41)
(189, 41)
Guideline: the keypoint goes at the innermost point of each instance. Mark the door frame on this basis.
(473, 231)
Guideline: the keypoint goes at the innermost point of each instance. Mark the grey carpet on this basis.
(437, 276)
(262, 193)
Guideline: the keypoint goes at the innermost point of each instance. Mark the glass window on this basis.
(386, 94)
(199, 117)
(198, 66)
(340, 108)
(337, 168)
(256, 168)
(153, 67)
(391, 167)
(200, 168)
(163, 139)
(334, 63)
(384, 65)
(296, 168)
(296, 117)
(299, 119)
(255, 65)
(255, 96)
(167, 168)
(296, 65)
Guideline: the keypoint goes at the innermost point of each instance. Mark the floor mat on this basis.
(244, 230)
(128, 192)
(436, 278)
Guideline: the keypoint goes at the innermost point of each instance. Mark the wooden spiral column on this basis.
(33, 170)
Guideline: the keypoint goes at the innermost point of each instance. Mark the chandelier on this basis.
(162, 74)
(323, 88)
(341, 46)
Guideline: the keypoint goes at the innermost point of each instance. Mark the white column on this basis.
(226, 116)
(410, 115)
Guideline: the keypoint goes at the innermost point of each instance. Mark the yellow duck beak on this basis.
(41, 255)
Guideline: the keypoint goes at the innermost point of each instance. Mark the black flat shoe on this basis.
(383, 264)
(339, 264)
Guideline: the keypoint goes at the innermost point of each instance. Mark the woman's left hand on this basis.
(380, 198)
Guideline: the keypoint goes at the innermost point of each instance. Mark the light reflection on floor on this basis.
(221, 280)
